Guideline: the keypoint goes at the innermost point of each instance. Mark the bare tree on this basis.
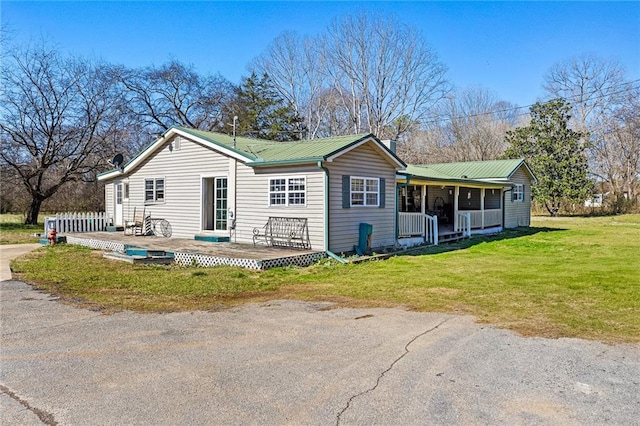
(294, 66)
(384, 71)
(470, 125)
(54, 115)
(617, 153)
(595, 86)
(367, 71)
(174, 94)
(605, 105)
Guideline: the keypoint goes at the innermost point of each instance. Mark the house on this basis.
(212, 184)
(464, 198)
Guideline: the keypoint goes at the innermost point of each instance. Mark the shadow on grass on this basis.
(477, 239)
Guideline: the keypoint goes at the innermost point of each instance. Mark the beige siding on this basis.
(363, 161)
(182, 168)
(253, 207)
(109, 199)
(518, 213)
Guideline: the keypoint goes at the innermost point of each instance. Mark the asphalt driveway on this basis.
(288, 362)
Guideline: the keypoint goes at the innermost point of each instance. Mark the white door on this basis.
(215, 204)
(118, 210)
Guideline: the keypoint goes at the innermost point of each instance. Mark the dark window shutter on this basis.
(346, 191)
(513, 194)
(523, 193)
(382, 192)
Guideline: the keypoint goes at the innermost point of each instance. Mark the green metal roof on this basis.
(265, 152)
(483, 173)
(492, 169)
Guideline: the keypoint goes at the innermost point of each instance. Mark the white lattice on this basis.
(208, 261)
(96, 244)
(300, 260)
(204, 260)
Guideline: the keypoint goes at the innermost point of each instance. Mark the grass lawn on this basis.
(14, 231)
(563, 277)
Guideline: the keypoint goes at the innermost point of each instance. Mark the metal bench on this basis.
(283, 232)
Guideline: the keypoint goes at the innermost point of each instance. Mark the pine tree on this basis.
(262, 113)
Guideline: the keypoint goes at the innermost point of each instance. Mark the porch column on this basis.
(482, 207)
(423, 209)
(456, 194)
(231, 198)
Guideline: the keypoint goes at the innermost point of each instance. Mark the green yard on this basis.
(564, 277)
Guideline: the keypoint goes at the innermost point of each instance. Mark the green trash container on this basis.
(364, 241)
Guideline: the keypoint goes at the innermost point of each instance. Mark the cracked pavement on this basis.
(289, 362)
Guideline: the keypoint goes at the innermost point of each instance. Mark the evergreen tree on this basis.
(262, 113)
(555, 153)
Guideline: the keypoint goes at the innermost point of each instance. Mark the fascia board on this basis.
(147, 152)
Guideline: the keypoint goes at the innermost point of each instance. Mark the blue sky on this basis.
(504, 46)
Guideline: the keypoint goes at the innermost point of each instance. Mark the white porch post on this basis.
(456, 194)
(231, 198)
(423, 210)
(482, 207)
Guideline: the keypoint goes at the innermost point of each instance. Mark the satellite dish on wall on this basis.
(117, 161)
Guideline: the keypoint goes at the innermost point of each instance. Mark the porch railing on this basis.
(464, 223)
(492, 217)
(77, 222)
(418, 224)
(410, 224)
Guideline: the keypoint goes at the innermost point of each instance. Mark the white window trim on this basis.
(518, 192)
(364, 192)
(126, 191)
(155, 190)
(286, 191)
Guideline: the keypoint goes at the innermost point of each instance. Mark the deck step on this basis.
(138, 251)
(140, 259)
(211, 238)
(114, 228)
(451, 237)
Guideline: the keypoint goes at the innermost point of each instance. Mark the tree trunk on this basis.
(552, 207)
(34, 210)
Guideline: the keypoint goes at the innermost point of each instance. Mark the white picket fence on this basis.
(65, 223)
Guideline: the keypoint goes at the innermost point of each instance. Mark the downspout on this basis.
(326, 215)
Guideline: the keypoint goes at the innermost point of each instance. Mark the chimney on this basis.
(391, 144)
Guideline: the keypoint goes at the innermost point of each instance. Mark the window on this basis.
(154, 190)
(287, 191)
(126, 191)
(119, 193)
(518, 192)
(365, 191)
(221, 204)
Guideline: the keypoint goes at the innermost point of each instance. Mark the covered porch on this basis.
(432, 212)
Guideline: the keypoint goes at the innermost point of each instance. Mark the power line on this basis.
(568, 99)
